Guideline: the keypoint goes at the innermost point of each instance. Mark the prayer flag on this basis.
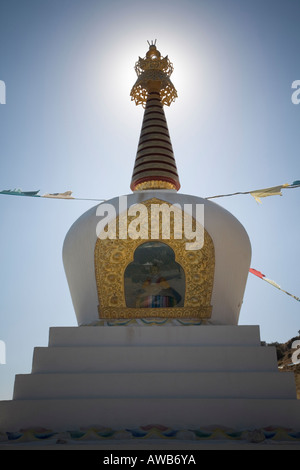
(19, 192)
(274, 191)
(257, 273)
(65, 195)
(273, 283)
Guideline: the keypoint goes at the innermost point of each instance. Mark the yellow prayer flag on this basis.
(272, 282)
(65, 195)
(274, 191)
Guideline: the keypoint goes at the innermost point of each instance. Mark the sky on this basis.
(69, 124)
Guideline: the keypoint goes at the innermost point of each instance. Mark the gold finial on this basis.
(153, 43)
(153, 75)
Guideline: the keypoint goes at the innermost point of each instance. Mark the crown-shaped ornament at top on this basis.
(153, 75)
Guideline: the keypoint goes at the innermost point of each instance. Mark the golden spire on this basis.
(155, 166)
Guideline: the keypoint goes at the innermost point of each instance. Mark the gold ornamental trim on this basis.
(154, 184)
(171, 312)
(112, 256)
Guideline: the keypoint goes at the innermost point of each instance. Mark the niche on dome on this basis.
(154, 279)
(123, 265)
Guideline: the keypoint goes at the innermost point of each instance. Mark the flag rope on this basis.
(273, 283)
(257, 193)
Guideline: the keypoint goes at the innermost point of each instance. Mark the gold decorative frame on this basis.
(112, 256)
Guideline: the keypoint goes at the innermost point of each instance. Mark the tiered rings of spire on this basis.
(155, 166)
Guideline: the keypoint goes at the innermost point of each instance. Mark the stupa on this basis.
(157, 280)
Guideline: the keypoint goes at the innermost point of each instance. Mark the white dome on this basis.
(231, 246)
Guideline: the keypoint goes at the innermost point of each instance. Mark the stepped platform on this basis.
(183, 377)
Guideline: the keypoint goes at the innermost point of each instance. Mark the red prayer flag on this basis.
(257, 273)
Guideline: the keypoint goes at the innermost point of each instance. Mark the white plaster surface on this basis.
(155, 385)
(149, 358)
(200, 335)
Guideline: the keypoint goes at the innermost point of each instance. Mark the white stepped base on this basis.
(177, 376)
(155, 385)
(153, 358)
(203, 335)
(126, 413)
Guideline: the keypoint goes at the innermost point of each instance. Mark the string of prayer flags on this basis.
(257, 193)
(19, 192)
(273, 283)
(260, 193)
(65, 195)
